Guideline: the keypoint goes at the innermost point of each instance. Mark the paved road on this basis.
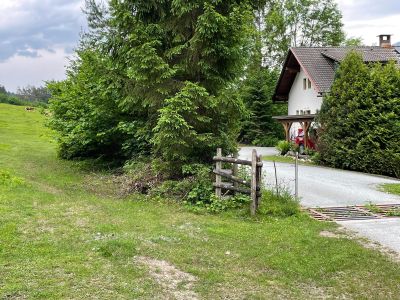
(327, 187)
(386, 232)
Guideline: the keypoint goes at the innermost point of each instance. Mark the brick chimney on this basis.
(384, 40)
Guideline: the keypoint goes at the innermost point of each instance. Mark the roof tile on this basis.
(319, 62)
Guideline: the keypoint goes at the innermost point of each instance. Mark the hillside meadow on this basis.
(66, 233)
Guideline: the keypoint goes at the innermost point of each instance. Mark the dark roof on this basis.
(319, 65)
(297, 118)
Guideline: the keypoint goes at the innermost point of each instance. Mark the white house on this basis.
(308, 73)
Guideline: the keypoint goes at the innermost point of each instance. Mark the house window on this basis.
(304, 83)
(309, 84)
(302, 112)
(297, 112)
(308, 112)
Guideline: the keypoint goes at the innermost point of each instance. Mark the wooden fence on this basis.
(250, 187)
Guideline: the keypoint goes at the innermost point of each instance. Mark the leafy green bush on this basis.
(279, 205)
(310, 152)
(283, 147)
(195, 187)
(217, 205)
(360, 118)
(265, 141)
(141, 177)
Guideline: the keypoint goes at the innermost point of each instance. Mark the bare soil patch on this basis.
(178, 284)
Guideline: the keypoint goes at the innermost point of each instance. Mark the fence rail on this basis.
(253, 186)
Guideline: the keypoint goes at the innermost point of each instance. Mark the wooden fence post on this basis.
(218, 167)
(235, 181)
(253, 207)
(235, 170)
(259, 180)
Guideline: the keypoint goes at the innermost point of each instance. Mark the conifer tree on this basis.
(166, 68)
(360, 118)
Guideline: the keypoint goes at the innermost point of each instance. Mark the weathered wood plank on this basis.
(235, 172)
(235, 161)
(229, 187)
(218, 179)
(233, 178)
(258, 182)
(253, 193)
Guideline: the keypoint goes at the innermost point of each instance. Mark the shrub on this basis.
(217, 205)
(360, 118)
(265, 141)
(140, 177)
(283, 147)
(279, 205)
(195, 187)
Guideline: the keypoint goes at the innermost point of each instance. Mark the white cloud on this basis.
(20, 71)
(38, 24)
(35, 36)
(369, 18)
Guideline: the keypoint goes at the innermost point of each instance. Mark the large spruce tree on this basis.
(154, 76)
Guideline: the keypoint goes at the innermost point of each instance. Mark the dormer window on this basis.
(309, 84)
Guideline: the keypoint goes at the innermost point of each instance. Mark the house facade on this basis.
(308, 74)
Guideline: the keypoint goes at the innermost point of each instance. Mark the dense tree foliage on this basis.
(280, 24)
(360, 118)
(15, 99)
(170, 78)
(33, 94)
(153, 77)
(298, 23)
(258, 126)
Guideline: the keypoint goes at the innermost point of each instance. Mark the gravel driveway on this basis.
(327, 187)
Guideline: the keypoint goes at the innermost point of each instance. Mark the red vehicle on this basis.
(299, 140)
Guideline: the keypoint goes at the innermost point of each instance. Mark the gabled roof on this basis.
(319, 65)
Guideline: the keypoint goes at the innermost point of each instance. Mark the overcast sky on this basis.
(37, 36)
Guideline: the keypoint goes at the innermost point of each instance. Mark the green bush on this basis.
(217, 205)
(360, 118)
(279, 205)
(265, 141)
(283, 147)
(196, 186)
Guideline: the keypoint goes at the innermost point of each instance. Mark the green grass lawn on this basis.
(284, 159)
(392, 188)
(65, 234)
